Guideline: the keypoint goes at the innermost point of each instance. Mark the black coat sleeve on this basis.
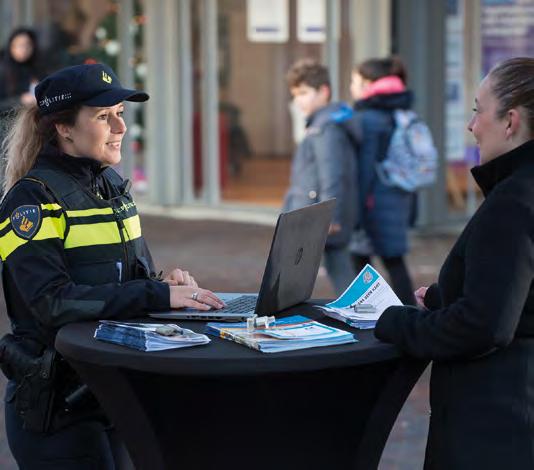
(432, 298)
(498, 273)
(37, 272)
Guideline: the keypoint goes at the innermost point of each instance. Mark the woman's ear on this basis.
(64, 131)
(515, 124)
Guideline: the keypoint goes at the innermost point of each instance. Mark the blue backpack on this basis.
(411, 160)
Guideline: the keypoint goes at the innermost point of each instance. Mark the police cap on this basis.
(87, 84)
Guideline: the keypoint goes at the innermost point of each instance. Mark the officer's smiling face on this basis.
(97, 134)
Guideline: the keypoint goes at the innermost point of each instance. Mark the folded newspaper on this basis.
(364, 300)
(148, 336)
(286, 334)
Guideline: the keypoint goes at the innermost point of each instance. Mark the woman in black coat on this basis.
(19, 71)
(477, 322)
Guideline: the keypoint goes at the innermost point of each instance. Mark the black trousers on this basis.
(86, 445)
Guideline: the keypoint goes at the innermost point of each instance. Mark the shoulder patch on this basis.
(26, 220)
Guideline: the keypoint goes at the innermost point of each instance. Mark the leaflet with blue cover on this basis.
(148, 336)
(364, 300)
(286, 334)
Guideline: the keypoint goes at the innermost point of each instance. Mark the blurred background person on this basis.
(20, 70)
(19, 73)
(378, 88)
(324, 164)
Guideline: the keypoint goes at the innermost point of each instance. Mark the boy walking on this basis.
(324, 164)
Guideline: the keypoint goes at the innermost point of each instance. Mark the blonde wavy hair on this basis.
(26, 137)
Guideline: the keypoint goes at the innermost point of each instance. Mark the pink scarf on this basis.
(383, 86)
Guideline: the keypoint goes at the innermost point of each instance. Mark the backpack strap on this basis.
(384, 151)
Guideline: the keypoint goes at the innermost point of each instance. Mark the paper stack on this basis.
(148, 336)
(286, 334)
(364, 300)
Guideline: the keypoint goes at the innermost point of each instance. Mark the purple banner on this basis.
(507, 30)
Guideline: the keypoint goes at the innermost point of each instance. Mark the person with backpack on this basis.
(324, 164)
(378, 87)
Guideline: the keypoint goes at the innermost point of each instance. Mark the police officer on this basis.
(71, 250)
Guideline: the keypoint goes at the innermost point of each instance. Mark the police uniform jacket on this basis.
(72, 250)
(479, 328)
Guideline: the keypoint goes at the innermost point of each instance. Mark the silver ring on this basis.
(194, 296)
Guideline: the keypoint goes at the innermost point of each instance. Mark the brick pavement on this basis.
(230, 256)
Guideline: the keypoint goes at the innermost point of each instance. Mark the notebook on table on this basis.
(290, 272)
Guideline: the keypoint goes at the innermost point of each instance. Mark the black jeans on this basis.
(398, 273)
(86, 445)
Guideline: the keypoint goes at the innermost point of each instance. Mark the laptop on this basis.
(290, 272)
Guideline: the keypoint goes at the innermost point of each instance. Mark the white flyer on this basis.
(368, 288)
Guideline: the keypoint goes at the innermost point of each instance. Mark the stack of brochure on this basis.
(286, 334)
(364, 300)
(148, 336)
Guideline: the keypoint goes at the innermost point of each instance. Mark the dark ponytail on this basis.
(512, 83)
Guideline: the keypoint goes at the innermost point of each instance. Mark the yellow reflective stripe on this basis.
(103, 233)
(51, 227)
(132, 227)
(50, 207)
(89, 212)
(9, 243)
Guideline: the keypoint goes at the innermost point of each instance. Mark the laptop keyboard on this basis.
(241, 304)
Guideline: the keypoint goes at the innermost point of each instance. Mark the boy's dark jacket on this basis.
(324, 166)
(479, 328)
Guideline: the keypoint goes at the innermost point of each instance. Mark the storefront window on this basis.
(258, 129)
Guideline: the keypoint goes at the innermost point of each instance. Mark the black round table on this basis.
(223, 405)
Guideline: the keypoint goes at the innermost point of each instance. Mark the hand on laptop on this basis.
(194, 297)
(178, 277)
